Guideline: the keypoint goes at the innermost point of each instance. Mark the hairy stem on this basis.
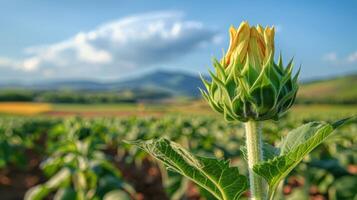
(255, 155)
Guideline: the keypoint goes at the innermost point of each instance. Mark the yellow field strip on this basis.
(24, 108)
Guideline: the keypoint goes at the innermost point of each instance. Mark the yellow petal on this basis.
(236, 37)
(242, 41)
(232, 31)
(232, 44)
(260, 29)
(243, 30)
(269, 40)
(256, 43)
(258, 46)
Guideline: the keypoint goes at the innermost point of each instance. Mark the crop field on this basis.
(50, 157)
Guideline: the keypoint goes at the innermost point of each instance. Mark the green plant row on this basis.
(77, 165)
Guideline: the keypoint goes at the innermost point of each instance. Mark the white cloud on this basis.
(31, 63)
(330, 57)
(352, 58)
(138, 41)
(6, 62)
(12, 64)
(342, 60)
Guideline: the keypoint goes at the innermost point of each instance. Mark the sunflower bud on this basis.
(247, 83)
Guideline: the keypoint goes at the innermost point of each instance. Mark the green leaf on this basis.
(297, 144)
(116, 194)
(61, 178)
(175, 185)
(216, 176)
(37, 193)
(65, 194)
(345, 188)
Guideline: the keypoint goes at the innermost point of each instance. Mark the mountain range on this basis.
(174, 83)
(184, 84)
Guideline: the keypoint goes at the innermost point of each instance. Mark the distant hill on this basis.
(176, 83)
(333, 90)
(164, 84)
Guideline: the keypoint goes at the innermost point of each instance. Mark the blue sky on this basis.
(115, 39)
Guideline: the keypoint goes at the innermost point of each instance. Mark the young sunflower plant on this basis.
(247, 86)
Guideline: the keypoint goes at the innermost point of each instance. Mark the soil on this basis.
(146, 180)
(14, 182)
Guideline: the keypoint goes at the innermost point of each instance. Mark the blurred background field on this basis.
(78, 78)
(58, 152)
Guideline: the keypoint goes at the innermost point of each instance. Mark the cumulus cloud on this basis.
(133, 42)
(7, 62)
(330, 57)
(333, 58)
(352, 58)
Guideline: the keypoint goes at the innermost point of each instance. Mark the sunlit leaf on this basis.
(297, 144)
(216, 176)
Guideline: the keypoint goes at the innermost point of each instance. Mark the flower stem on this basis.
(255, 155)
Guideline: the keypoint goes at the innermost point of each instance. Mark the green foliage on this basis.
(77, 164)
(296, 145)
(16, 136)
(326, 168)
(215, 175)
(115, 195)
(81, 97)
(16, 95)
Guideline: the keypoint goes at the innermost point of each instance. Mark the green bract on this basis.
(246, 92)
